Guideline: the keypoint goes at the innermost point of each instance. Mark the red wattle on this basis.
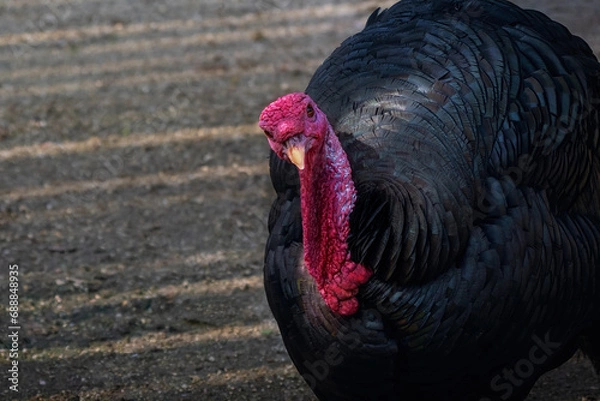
(327, 199)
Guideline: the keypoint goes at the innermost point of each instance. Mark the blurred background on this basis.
(134, 191)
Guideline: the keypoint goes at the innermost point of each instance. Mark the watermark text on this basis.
(14, 327)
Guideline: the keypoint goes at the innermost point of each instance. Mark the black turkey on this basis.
(436, 232)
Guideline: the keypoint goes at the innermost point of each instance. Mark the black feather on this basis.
(473, 132)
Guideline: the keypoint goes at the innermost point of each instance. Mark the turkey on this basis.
(436, 231)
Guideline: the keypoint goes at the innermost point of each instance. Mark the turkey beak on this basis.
(295, 153)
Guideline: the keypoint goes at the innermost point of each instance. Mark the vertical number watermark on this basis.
(14, 327)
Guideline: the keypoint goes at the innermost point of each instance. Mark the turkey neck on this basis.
(327, 199)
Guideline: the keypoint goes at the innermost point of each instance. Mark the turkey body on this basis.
(473, 133)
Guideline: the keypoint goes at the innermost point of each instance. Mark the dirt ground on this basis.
(134, 192)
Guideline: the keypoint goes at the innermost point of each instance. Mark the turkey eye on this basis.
(310, 112)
